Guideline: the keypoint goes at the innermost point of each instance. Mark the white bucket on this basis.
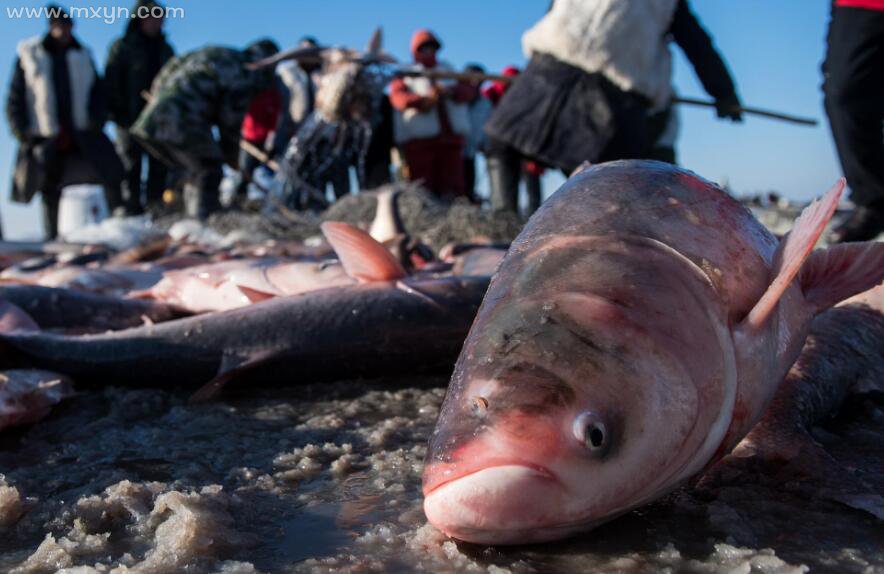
(81, 205)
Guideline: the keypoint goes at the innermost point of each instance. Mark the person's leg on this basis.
(51, 201)
(204, 177)
(247, 166)
(504, 168)
(157, 180)
(340, 179)
(419, 160)
(854, 93)
(448, 168)
(207, 181)
(469, 177)
(533, 190)
(50, 192)
(131, 155)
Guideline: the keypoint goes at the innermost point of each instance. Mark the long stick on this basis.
(472, 76)
(749, 110)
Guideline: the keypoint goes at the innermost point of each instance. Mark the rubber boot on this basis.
(503, 176)
(51, 201)
(533, 191)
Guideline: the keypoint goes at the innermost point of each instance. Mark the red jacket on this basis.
(261, 116)
(402, 98)
(867, 4)
(497, 88)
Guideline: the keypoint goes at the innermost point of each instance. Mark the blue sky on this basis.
(774, 50)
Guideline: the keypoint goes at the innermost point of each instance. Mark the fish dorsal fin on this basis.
(792, 252)
(834, 274)
(363, 258)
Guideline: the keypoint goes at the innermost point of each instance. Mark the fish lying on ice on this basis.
(58, 308)
(231, 284)
(633, 334)
(27, 395)
(843, 354)
(383, 322)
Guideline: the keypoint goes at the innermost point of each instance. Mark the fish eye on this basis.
(591, 432)
(479, 405)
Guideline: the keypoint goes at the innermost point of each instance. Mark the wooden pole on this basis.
(472, 76)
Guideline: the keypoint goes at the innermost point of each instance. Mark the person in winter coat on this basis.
(505, 193)
(479, 109)
(854, 97)
(208, 88)
(597, 69)
(133, 62)
(431, 121)
(56, 108)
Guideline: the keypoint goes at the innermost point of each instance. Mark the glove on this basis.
(730, 109)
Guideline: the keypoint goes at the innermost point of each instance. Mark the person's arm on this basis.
(707, 62)
(402, 98)
(16, 103)
(115, 81)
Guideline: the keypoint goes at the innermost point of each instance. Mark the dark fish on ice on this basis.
(843, 355)
(635, 332)
(383, 322)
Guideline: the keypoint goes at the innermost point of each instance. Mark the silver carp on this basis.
(635, 332)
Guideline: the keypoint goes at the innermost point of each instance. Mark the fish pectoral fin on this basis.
(362, 257)
(232, 366)
(841, 271)
(14, 318)
(255, 295)
(793, 250)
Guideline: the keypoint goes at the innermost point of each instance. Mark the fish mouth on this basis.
(441, 474)
(500, 504)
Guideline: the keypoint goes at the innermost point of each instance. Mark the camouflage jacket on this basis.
(206, 88)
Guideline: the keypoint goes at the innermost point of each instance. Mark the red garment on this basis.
(438, 162)
(262, 116)
(401, 98)
(421, 37)
(867, 4)
(532, 167)
(497, 88)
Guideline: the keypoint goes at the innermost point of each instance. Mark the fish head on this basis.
(573, 399)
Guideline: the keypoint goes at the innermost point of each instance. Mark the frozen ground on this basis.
(326, 478)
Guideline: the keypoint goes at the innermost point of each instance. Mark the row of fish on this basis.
(345, 307)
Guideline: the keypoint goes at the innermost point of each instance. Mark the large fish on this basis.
(634, 333)
(385, 323)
